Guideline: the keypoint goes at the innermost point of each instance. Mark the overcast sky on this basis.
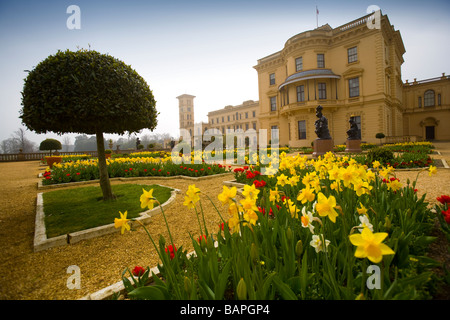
(203, 48)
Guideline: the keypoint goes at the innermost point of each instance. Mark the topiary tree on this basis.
(50, 144)
(380, 136)
(87, 92)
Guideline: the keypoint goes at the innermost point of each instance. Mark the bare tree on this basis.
(18, 141)
(66, 143)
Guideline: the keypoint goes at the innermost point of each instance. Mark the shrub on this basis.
(382, 155)
(380, 136)
(50, 144)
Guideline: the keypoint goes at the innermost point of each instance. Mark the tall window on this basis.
(254, 114)
(272, 78)
(439, 99)
(274, 133)
(302, 130)
(299, 64)
(322, 90)
(300, 93)
(419, 102)
(273, 103)
(320, 60)
(352, 54)
(428, 98)
(353, 87)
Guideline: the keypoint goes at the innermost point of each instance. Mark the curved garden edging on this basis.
(70, 184)
(41, 242)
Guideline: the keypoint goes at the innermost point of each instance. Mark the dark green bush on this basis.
(382, 155)
(50, 144)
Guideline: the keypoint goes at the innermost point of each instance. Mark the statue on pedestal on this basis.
(321, 125)
(353, 132)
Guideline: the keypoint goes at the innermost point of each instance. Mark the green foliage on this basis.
(50, 144)
(86, 92)
(380, 135)
(382, 155)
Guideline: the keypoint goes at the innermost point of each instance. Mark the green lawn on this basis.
(78, 209)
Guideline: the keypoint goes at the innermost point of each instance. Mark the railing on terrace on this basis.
(7, 157)
(401, 139)
(357, 22)
(415, 82)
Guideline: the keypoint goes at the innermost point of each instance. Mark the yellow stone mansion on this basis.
(352, 70)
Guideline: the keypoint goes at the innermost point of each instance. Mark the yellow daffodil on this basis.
(362, 210)
(251, 216)
(227, 195)
(250, 191)
(306, 194)
(368, 245)
(147, 199)
(348, 175)
(394, 185)
(309, 177)
(282, 180)
(370, 175)
(191, 197)
(122, 222)
(360, 187)
(385, 172)
(294, 180)
(291, 207)
(325, 206)
(432, 170)
(376, 164)
(336, 186)
(234, 222)
(333, 173)
(274, 195)
(248, 204)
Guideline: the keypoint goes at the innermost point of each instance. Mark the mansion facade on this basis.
(353, 70)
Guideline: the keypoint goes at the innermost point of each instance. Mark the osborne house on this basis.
(353, 70)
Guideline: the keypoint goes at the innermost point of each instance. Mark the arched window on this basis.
(428, 98)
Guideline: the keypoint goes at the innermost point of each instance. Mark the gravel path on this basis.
(29, 275)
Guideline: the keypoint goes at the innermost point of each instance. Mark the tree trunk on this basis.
(103, 169)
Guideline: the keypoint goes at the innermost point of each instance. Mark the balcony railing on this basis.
(357, 22)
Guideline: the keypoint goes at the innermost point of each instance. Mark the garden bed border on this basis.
(71, 184)
(41, 242)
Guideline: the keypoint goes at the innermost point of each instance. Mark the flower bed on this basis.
(87, 170)
(317, 229)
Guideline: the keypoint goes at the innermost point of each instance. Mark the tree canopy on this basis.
(50, 144)
(86, 92)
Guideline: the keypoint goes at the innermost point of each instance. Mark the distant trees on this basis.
(17, 142)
